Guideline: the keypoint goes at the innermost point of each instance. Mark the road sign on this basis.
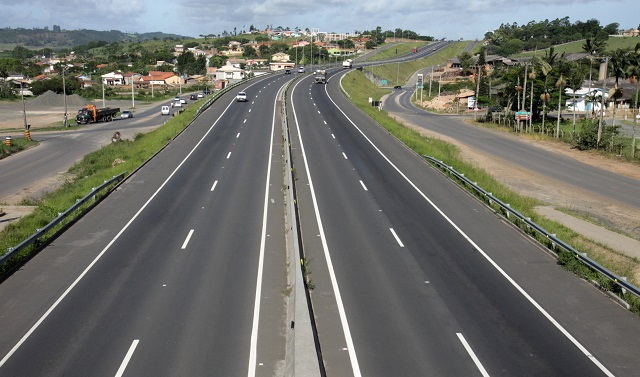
(523, 115)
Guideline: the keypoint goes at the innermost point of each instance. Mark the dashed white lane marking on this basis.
(229, 155)
(186, 241)
(333, 136)
(396, 237)
(363, 186)
(345, 156)
(127, 358)
(214, 185)
(238, 135)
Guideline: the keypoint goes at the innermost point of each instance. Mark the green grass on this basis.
(17, 144)
(360, 89)
(388, 51)
(398, 74)
(613, 43)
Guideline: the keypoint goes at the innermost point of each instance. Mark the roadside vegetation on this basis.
(17, 144)
(360, 88)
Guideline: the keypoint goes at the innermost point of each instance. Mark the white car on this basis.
(177, 104)
(126, 114)
(164, 110)
(200, 95)
(183, 101)
(241, 97)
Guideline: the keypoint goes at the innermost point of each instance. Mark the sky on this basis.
(448, 19)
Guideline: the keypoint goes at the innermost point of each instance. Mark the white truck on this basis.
(347, 64)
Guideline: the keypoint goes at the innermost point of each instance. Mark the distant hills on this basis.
(41, 38)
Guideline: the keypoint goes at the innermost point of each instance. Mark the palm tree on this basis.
(619, 65)
(634, 72)
(560, 84)
(575, 81)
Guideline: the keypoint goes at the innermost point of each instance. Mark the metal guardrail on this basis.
(555, 241)
(13, 251)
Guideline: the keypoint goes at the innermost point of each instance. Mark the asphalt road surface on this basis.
(413, 276)
(181, 271)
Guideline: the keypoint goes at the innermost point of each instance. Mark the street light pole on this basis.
(64, 93)
(133, 100)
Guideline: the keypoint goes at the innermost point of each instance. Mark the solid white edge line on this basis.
(334, 281)
(485, 255)
(253, 351)
(186, 241)
(127, 358)
(396, 237)
(472, 354)
(214, 185)
(363, 186)
(115, 238)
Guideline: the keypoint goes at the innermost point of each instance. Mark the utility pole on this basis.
(64, 93)
(602, 102)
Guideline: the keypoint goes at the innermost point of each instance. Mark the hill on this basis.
(41, 38)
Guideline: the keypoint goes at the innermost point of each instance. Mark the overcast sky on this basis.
(450, 19)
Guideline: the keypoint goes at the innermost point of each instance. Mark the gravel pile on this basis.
(50, 98)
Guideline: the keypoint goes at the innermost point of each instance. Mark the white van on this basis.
(164, 110)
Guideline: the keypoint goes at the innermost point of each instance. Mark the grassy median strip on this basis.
(361, 89)
(90, 172)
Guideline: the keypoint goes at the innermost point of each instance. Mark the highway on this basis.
(412, 276)
(182, 270)
(179, 272)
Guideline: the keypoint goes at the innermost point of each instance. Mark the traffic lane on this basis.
(158, 236)
(396, 346)
(593, 319)
(507, 147)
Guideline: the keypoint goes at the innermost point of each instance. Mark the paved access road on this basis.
(613, 186)
(181, 271)
(58, 151)
(412, 276)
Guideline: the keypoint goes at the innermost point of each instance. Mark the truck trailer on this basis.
(321, 76)
(91, 114)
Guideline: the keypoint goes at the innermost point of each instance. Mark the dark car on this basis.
(397, 87)
(193, 97)
(206, 91)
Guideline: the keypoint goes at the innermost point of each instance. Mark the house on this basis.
(113, 78)
(279, 66)
(131, 77)
(159, 78)
(280, 57)
(230, 73)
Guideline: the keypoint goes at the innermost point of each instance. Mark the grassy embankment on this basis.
(91, 171)
(360, 89)
(398, 74)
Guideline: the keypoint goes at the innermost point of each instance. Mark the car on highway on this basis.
(241, 97)
(193, 97)
(300, 69)
(183, 101)
(164, 110)
(287, 71)
(397, 87)
(200, 95)
(177, 104)
(126, 114)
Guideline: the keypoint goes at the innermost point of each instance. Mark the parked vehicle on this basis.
(321, 76)
(347, 64)
(241, 97)
(164, 110)
(91, 114)
(126, 114)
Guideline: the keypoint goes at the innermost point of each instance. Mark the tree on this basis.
(575, 79)
(560, 84)
(466, 60)
(619, 64)
(612, 29)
